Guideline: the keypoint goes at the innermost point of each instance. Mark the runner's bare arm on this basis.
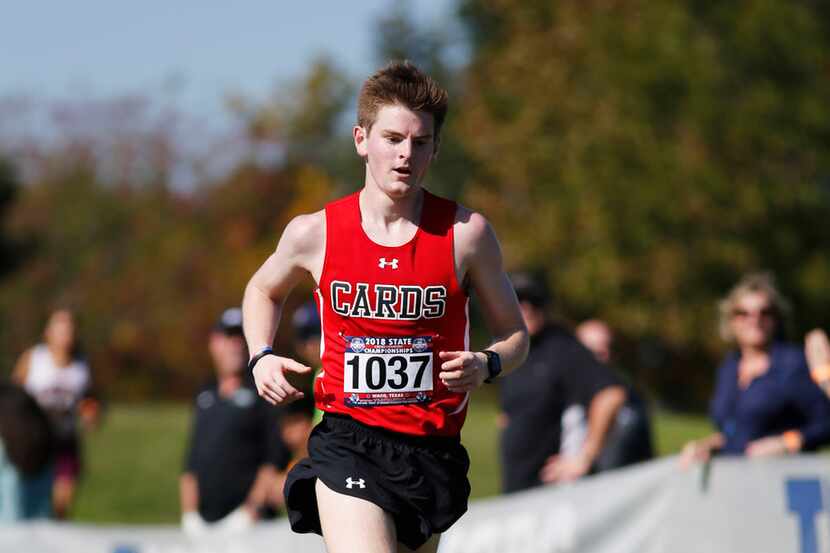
(479, 260)
(299, 253)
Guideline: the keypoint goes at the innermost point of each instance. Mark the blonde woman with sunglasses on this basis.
(765, 402)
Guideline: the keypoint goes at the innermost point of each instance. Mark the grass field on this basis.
(133, 460)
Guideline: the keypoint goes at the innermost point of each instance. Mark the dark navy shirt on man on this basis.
(784, 398)
(231, 438)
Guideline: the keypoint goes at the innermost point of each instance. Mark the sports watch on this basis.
(493, 365)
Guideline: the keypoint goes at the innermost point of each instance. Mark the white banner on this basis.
(731, 506)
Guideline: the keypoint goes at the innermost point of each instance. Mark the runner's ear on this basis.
(361, 136)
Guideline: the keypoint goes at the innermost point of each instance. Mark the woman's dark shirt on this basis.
(784, 398)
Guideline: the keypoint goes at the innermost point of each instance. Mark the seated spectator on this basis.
(629, 440)
(26, 457)
(58, 377)
(306, 325)
(296, 422)
(298, 418)
(559, 373)
(765, 402)
(235, 448)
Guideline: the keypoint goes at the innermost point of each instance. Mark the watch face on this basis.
(493, 364)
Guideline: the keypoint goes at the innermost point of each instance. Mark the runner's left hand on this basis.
(462, 371)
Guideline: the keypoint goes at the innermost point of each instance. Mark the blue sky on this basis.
(197, 51)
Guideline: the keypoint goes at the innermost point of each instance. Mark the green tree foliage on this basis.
(148, 269)
(654, 152)
(303, 121)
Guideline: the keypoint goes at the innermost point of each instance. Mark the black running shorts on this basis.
(421, 481)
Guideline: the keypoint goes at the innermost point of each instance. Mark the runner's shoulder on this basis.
(306, 233)
(472, 229)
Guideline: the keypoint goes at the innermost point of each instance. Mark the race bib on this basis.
(387, 370)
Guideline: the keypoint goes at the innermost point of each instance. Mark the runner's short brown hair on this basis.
(401, 83)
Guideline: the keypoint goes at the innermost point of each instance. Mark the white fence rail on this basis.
(733, 506)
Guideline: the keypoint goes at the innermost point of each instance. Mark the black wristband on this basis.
(255, 359)
(493, 365)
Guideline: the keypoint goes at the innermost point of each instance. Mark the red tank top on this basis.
(386, 313)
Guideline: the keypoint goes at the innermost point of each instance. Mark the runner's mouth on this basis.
(403, 171)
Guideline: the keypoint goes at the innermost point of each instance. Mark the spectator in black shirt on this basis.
(558, 373)
(235, 447)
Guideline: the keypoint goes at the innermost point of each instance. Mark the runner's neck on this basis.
(387, 221)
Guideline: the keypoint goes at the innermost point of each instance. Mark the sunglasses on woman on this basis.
(764, 313)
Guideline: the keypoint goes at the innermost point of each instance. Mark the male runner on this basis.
(394, 265)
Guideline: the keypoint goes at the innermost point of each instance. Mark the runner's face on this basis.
(398, 149)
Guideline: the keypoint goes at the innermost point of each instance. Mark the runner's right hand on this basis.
(271, 375)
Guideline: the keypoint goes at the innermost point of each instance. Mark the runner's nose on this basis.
(405, 149)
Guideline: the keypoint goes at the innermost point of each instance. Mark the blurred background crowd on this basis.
(648, 168)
